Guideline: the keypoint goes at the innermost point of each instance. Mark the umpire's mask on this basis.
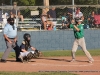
(11, 22)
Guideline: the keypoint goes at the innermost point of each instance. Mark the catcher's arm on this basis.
(33, 48)
(23, 50)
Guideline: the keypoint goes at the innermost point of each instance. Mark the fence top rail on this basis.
(56, 6)
(25, 19)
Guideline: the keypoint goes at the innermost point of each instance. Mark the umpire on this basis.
(10, 36)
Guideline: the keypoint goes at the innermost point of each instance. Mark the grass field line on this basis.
(60, 65)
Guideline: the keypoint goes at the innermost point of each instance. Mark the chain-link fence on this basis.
(34, 15)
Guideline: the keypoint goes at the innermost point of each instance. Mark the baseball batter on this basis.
(79, 40)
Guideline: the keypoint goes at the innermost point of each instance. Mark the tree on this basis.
(69, 2)
(26, 2)
(52, 2)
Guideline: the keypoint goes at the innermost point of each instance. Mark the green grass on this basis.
(68, 53)
(55, 53)
(38, 73)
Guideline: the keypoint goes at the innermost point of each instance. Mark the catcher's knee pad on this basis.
(29, 55)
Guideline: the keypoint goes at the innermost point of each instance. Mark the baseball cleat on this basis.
(73, 60)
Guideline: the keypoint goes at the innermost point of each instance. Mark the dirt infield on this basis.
(55, 64)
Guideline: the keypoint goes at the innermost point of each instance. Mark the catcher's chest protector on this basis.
(27, 45)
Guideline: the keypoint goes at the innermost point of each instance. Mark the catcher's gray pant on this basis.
(23, 54)
(80, 42)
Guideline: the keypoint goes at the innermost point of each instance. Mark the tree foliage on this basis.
(52, 2)
(26, 2)
(69, 2)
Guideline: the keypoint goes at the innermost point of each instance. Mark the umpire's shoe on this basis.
(21, 58)
(3, 61)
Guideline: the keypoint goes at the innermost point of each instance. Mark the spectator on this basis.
(13, 12)
(91, 19)
(46, 23)
(65, 22)
(52, 13)
(44, 18)
(69, 15)
(78, 14)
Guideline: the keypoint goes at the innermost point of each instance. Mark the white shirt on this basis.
(79, 15)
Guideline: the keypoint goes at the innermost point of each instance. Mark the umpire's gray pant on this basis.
(9, 48)
(80, 42)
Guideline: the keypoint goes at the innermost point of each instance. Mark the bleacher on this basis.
(36, 23)
(28, 23)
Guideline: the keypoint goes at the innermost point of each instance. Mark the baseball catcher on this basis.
(26, 55)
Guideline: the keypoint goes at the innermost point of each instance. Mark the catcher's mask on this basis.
(26, 36)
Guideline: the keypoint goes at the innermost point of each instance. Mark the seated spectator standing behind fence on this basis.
(13, 12)
(52, 13)
(69, 15)
(78, 14)
(44, 18)
(65, 22)
(47, 24)
(91, 19)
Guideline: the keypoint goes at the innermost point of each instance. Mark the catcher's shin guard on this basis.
(29, 56)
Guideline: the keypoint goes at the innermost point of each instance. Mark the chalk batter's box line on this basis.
(42, 64)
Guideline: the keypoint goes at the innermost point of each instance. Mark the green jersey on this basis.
(78, 34)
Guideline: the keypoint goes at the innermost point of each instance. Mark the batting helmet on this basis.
(26, 36)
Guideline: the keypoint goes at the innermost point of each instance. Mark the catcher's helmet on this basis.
(26, 36)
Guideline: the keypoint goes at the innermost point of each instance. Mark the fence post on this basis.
(73, 8)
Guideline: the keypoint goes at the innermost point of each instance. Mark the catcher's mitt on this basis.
(37, 53)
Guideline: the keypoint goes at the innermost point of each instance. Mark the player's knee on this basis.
(73, 51)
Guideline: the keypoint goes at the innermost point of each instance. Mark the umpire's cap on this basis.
(26, 35)
(10, 19)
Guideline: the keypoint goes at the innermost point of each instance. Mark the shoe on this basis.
(91, 61)
(3, 61)
(18, 60)
(73, 60)
(21, 58)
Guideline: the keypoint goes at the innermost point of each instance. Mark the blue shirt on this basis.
(9, 31)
